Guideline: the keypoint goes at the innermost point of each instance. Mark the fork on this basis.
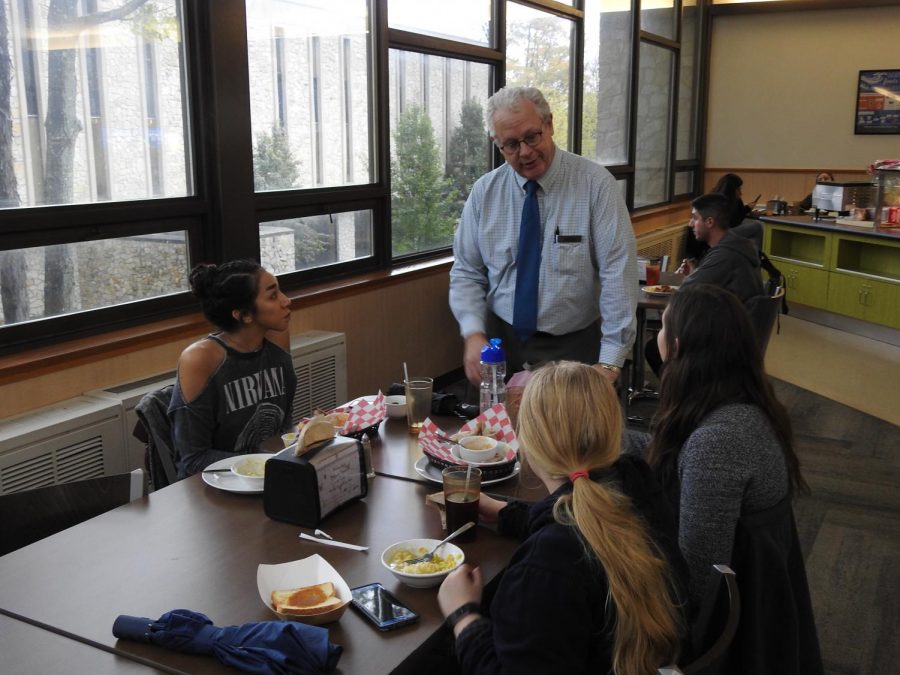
(428, 556)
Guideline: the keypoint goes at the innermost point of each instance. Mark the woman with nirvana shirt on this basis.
(236, 386)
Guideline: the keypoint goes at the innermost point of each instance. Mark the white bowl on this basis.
(423, 580)
(306, 572)
(252, 468)
(497, 457)
(395, 406)
(477, 448)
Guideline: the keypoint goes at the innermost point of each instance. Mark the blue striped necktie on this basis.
(528, 266)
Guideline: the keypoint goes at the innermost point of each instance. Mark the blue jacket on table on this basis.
(550, 612)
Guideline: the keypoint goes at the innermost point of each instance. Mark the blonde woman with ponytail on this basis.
(595, 585)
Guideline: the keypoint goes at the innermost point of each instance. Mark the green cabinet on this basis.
(802, 255)
(842, 272)
(863, 298)
(806, 285)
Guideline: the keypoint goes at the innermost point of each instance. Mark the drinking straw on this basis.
(405, 372)
(468, 476)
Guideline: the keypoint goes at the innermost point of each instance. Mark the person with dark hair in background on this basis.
(235, 388)
(723, 444)
(732, 262)
(823, 177)
(596, 585)
(729, 185)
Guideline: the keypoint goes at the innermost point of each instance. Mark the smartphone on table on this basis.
(381, 607)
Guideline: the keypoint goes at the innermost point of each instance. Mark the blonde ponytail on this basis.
(569, 421)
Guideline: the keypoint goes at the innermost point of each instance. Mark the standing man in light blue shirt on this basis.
(587, 284)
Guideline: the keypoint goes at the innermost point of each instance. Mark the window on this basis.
(85, 110)
(301, 56)
(653, 104)
(658, 16)
(294, 244)
(439, 145)
(607, 81)
(538, 54)
(464, 20)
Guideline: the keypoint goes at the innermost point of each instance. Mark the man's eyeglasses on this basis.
(512, 147)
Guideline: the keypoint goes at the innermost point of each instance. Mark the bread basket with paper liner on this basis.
(440, 447)
(356, 419)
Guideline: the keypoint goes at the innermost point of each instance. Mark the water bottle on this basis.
(493, 375)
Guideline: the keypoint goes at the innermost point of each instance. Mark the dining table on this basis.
(190, 545)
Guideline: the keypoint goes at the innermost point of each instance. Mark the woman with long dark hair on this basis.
(592, 588)
(235, 387)
(723, 445)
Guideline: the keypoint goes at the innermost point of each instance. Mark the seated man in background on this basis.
(732, 262)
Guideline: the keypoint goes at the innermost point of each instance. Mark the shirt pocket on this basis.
(570, 259)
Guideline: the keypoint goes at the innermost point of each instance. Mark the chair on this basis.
(764, 311)
(30, 515)
(712, 643)
(154, 429)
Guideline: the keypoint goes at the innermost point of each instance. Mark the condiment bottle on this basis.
(493, 375)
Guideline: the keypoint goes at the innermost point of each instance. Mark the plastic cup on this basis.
(418, 402)
(462, 490)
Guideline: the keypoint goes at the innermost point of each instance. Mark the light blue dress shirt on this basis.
(579, 281)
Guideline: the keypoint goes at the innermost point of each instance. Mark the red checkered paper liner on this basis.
(495, 423)
(363, 414)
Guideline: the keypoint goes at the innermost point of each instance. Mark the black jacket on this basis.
(550, 612)
(732, 264)
(777, 631)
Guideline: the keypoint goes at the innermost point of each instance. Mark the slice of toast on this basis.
(306, 600)
(331, 603)
(316, 430)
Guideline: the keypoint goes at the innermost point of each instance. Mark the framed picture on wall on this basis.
(878, 102)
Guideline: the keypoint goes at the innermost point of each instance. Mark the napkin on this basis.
(363, 414)
(494, 422)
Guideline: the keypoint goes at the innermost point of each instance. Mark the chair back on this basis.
(715, 627)
(763, 311)
(154, 428)
(30, 515)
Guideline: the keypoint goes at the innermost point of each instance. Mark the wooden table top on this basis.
(29, 649)
(192, 546)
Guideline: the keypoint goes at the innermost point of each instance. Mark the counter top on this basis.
(892, 233)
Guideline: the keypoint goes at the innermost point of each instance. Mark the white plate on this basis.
(651, 290)
(501, 450)
(429, 471)
(228, 481)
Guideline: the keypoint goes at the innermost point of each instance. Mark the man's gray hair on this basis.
(509, 98)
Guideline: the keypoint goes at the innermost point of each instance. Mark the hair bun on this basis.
(202, 278)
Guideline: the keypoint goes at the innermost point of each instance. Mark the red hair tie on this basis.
(575, 475)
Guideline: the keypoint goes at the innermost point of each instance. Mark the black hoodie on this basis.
(732, 264)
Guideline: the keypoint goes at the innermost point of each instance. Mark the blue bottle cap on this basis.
(493, 352)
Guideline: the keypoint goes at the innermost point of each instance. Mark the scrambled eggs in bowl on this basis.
(251, 467)
(424, 574)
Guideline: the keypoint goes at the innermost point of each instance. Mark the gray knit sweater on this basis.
(731, 465)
